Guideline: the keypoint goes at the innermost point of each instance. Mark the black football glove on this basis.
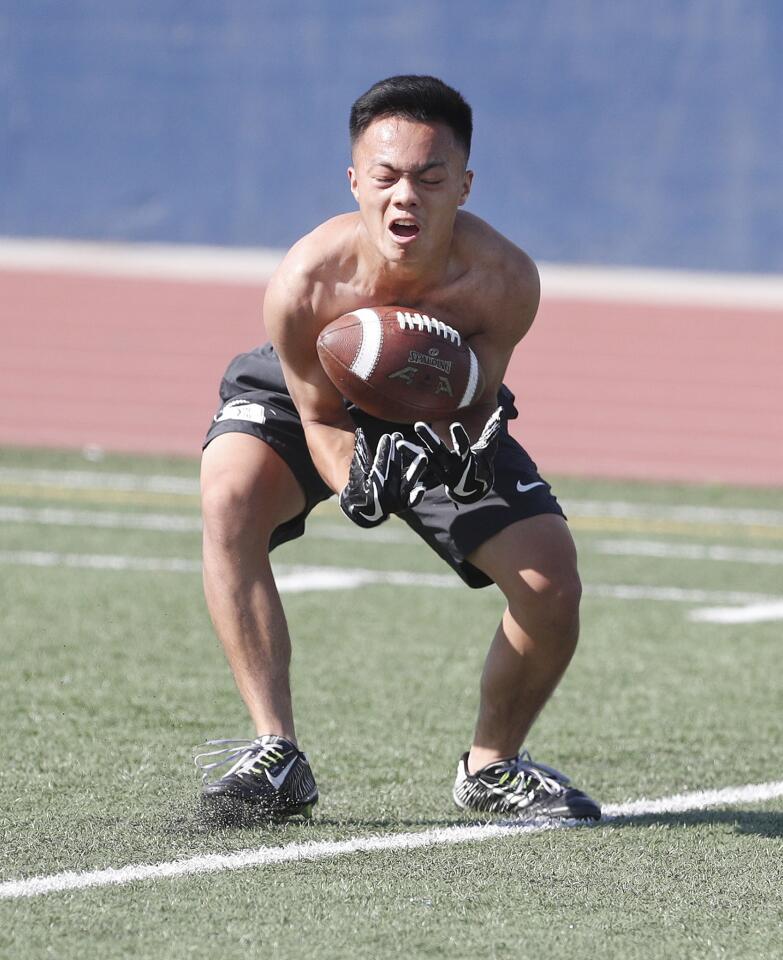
(384, 484)
(465, 471)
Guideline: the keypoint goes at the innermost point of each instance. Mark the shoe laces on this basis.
(528, 775)
(247, 756)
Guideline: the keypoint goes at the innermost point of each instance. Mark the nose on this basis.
(405, 194)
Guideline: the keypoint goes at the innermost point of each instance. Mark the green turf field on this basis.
(111, 674)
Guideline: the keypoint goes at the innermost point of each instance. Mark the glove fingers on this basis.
(414, 462)
(491, 428)
(409, 453)
(428, 437)
(460, 439)
(362, 450)
(416, 495)
(385, 455)
(440, 457)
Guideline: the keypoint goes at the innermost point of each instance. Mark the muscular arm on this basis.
(511, 316)
(293, 329)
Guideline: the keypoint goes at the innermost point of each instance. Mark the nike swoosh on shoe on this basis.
(277, 781)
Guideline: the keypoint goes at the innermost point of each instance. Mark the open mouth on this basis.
(404, 229)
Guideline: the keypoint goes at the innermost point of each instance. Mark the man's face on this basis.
(409, 179)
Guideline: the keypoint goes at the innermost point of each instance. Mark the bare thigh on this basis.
(247, 486)
(531, 559)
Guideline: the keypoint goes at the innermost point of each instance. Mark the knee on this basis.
(229, 508)
(548, 603)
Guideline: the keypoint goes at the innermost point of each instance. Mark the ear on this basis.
(467, 183)
(354, 183)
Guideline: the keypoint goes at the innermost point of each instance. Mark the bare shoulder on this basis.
(498, 256)
(503, 273)
(309, 268)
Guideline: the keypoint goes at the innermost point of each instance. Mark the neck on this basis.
(403, 280)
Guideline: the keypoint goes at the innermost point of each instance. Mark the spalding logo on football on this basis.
(400, 365)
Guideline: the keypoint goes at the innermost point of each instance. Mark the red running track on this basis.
(604, 389)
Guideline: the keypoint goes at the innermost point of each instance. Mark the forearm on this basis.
(331, 447)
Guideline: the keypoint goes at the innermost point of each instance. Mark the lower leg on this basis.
(249, 620)
(534, 564)
(521, 671)
(247, 491)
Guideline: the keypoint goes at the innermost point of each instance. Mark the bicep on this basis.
(292, 328)
(512, 319)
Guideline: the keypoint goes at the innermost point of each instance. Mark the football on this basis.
(398, 364)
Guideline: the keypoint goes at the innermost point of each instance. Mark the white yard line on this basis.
(684, 513)
(632, 591)
(299, 578)
(254, 265)
(685, 551)
(183, 523)
(577, 508)
(752, 613)
(98, 561)
(101, 519)
(290, 578)
(99, 480)
(317, 530)
(323, 850)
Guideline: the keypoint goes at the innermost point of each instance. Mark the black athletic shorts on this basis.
(255, 400)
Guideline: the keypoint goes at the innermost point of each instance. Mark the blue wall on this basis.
(606, 132)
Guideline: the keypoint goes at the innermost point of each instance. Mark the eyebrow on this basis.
(417, 170)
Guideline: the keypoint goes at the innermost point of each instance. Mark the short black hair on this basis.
(420, 98)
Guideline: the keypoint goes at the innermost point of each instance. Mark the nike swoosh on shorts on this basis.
(524, 487)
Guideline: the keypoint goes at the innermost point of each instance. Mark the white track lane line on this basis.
(322, 850)
(255, 265)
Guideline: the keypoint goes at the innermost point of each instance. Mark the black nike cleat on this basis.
(268, 775)
(522, 788)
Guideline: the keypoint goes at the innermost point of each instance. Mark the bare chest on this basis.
(466, 304)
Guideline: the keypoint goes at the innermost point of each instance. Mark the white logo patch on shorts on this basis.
(242, 410)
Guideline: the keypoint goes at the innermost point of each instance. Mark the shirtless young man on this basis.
(284, 439)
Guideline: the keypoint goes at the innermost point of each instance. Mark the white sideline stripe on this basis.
(254, 265)
(297, 578)
(290, 578)
(98, 561)
(97, 480)
(583, 509)
(620, 591)
(626, 510)
(109, 519)
(687, 551)
(322, 850)
(753, 613)
(316, 530)
(182, 523)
